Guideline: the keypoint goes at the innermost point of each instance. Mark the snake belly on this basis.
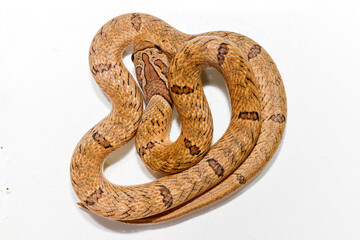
(258, 116)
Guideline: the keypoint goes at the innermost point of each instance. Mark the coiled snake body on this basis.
(203, 174)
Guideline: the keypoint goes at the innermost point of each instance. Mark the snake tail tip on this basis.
(82, 205)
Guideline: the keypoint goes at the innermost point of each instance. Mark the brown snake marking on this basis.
(181, 90)
(254, 51)
(279, 118)
(94, 197)
(241, 178)
(162, 66)
(142, 150)
(100, 139)
(138, 71)
(215, 165)
(253, 143)
(136, 21)
(167, 197)
(222, 51)
(194, 150)
(101, 68)
(254, 116)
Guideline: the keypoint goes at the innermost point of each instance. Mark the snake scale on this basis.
(168, 66)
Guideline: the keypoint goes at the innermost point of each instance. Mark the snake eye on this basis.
(158, 47)
(132, 57)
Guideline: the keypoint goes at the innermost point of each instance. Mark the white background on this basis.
(48, 100)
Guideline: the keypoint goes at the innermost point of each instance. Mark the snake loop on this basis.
(258, 116)
(152, 137)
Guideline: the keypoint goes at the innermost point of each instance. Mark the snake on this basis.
(168, 66)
